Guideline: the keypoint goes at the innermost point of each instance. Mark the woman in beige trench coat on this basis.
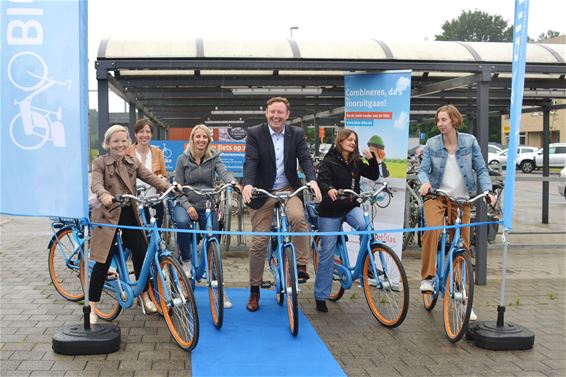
(114, 174)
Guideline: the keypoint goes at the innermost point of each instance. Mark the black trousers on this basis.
(131, 239)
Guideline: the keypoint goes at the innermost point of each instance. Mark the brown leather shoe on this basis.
(253, 303)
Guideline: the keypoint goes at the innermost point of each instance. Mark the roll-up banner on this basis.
(377, 107)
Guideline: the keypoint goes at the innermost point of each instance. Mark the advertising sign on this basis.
(377, 107)
(231, 145)
(44, 108)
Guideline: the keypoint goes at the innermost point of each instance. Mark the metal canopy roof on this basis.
(179, 83)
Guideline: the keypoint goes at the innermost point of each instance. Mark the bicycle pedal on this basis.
(266, 284)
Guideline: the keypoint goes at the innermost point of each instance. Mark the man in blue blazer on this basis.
(272, 152)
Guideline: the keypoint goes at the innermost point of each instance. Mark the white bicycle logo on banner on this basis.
(34, 126)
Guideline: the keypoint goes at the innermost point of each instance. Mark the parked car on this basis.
(556, 156)
(492, 154)
(562, 182)
(531, 161)
(501, 158)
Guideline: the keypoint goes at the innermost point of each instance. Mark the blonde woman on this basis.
(151, 157)
(113, 174)
(197, 167)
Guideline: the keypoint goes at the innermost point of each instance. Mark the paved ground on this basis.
(31, 311)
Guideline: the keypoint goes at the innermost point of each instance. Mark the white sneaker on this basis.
(93, 318)
(187, 269)
(227, 303)
(473, 316)
(427, 286)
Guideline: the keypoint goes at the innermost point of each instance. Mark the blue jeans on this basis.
(323, 282)
(183, 221)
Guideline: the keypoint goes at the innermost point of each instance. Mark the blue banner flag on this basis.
(517, 83)
(44, 108)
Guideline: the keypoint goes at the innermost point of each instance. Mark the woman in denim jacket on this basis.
(451, 161)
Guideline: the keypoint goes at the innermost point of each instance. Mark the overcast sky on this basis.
(394, 20)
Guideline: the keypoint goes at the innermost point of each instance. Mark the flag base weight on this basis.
(77, 340)
(505, 337)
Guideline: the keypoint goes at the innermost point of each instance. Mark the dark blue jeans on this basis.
(183, 221)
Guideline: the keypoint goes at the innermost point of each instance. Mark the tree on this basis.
(549, 34)
(476, 26)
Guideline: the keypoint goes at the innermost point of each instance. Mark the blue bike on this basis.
(170, 289)
(207, 264)
(379, 269)
(281, 256)
(454, 279)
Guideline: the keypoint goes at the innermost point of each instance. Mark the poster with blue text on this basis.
(377, 107)
(44, 108)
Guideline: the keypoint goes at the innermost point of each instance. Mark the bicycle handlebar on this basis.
(439, 192)
(147, 201)
(363, 196)
(210, 192)
(280, 195)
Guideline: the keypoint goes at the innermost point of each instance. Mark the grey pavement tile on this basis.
(117, 373)
(135, 364)
(168, 364)
(16, 346)
(356, 372)
(555, 372)
(46, 373)
(102, 365)
(82, 373)
(123, 356)
(36, 365)
(7, 365)
(152, 355)
(26, 355)
(15, 373)
(151, 373)
(531, 365)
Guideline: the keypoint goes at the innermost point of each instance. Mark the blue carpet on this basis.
(258, 344)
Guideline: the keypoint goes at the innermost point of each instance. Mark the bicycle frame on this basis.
(200, 267)
(444, 259)
(282, 242)
(127, 289)
(354, 273)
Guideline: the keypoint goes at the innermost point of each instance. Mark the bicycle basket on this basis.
(312, 214)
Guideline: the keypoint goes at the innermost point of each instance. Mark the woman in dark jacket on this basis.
(341, 168)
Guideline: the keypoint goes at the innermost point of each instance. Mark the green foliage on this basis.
(552, 296)
(549, 34)
(476, 26)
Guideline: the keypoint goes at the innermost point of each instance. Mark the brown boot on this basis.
(253, 303)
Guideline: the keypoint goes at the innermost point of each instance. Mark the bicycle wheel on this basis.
(290, 280)
(458, 305)
(178, 304)
(387, 295)
(215, 285)
(64, 261)
(108, 308)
